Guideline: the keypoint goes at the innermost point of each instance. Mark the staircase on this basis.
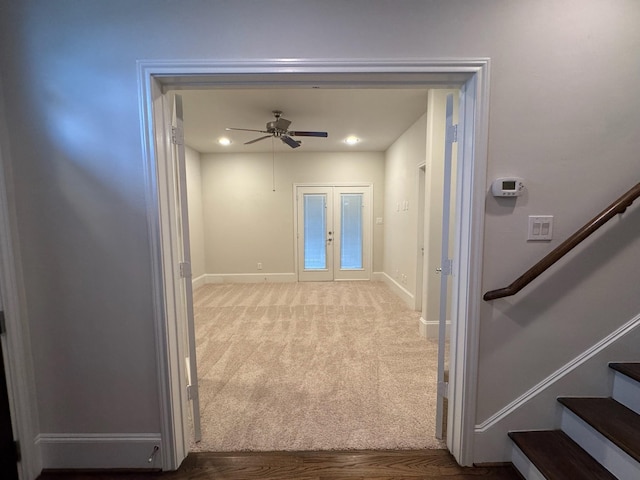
(599, 438)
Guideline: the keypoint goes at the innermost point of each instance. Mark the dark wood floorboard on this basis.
(358, 465)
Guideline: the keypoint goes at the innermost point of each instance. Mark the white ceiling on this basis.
(377, 116)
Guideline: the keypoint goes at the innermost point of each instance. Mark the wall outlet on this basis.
(259, 265)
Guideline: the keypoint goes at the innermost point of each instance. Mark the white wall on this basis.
(247, 222)
(401, 208)
(72, 114)
(196, 219)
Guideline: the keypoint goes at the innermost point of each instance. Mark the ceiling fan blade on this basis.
(290, 141)
(246, 130)
(299, 133)
(281, 124)
(257, 140)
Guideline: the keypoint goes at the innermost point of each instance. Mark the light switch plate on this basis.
(540, 227)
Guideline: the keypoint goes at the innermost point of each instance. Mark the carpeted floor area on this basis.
(312, 366)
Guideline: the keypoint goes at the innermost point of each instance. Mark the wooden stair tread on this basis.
(630, 369)
(613, 420)
(558, 457)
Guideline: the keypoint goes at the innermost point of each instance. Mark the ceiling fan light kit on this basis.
(279, 128)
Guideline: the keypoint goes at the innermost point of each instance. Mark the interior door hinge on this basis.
(177, 136)
(185, 270)
(443, 389)
(3, 324)
(452, 134)
(189, 392)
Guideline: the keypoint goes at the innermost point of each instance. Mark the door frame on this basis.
(470, 75)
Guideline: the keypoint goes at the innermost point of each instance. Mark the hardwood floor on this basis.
(352, 465)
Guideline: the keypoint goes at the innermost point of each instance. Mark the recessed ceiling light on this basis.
(351, 140)
(224, 141)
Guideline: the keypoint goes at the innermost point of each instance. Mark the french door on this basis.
(333, 232)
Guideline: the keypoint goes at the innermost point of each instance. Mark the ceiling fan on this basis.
(279, 129)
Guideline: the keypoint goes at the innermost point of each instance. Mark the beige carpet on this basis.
(312, 366)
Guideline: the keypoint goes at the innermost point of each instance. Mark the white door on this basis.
(333, 232)
(446, 265)
(183, 251)
(315, 233)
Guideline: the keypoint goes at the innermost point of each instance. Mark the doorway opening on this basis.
(471, 77)
(332, 233)
(332, 225)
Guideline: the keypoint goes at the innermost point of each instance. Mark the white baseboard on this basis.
(249, 277)
(431, 328)
(96, 451)
(399, 290)
(207, 278)
(377, 276)
(199, 281)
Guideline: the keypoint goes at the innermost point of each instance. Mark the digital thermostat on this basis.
(507, 187)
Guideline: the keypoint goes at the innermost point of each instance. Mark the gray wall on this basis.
(564, 115)
(401, 206)
(246, 222)
(196, 215)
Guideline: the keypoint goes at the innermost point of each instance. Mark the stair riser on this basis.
(626, 391)
(609, 455)
(522, 463)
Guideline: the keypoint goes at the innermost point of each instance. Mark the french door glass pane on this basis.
(315, 253)
(351, 231)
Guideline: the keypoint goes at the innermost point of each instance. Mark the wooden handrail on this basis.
(619, 206)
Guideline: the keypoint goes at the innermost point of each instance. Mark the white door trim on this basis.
(473, 135)
(16, 344)
(471, 75)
